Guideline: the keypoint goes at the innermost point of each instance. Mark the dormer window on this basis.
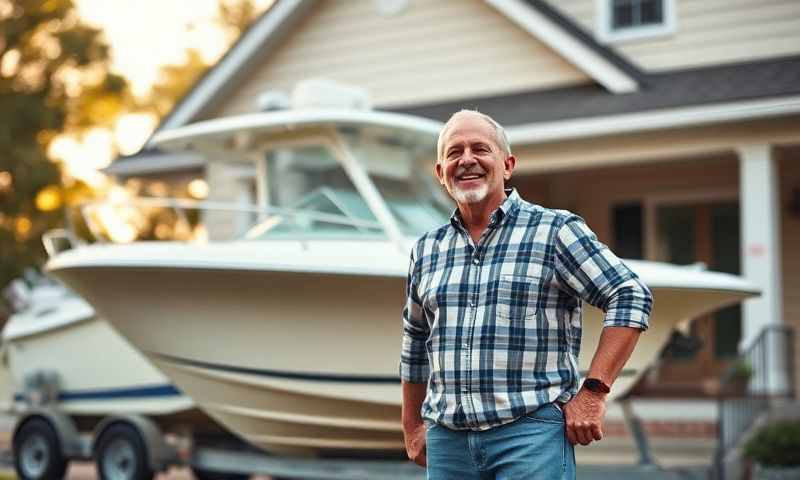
(620, 20)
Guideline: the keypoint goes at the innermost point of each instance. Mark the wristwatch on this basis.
(596, 385)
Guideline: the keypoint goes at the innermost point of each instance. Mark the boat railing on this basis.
(97, 216)
(761, 377)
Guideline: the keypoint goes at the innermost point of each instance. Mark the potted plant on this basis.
(737, 379)
(775, 451)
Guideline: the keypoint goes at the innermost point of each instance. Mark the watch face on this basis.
(595, 385)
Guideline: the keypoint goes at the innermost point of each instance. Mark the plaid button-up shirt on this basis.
(494, 328)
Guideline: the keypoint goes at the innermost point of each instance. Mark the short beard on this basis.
(474, 195)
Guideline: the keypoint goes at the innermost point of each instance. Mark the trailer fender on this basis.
(160, 454)
(67, 432)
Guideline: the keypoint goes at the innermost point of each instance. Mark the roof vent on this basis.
(272, 100)
(327, 94)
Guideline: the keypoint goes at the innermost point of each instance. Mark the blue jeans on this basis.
(532, 447)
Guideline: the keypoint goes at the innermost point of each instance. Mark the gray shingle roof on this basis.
(701, 86)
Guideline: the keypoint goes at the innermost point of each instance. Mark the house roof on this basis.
(666, 90)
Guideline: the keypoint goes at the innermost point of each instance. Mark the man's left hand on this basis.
(584, 417)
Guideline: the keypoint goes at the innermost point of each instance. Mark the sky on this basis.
(143, 36)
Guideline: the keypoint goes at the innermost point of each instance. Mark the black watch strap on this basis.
(596, 385)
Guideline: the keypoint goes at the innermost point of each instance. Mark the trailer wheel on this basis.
(121, 454)
(37, 451)
(209, 475)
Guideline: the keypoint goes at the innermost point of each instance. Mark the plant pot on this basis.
(763, 472)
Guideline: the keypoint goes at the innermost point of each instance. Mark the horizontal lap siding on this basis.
(708, 32)
(434, 51)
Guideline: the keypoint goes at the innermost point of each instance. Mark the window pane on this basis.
(635, 13)
(311, 182)
(627, 223)
(676, 234)
(726, 258)
(622, 15)
(652, 12)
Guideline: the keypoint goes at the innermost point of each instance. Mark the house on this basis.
(671, 126)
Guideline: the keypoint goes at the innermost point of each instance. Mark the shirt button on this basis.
(476, 260)
(472, 304)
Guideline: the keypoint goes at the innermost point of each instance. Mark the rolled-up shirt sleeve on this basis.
(414, 367)
(588, 269)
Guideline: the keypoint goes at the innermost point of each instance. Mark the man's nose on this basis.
(467, 159)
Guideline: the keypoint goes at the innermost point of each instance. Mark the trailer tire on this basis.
(209, 475)
(37, 451)
(121, 454)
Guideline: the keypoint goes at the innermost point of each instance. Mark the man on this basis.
(492, 323)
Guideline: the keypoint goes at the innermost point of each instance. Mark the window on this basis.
(620, 20)
(628, 225)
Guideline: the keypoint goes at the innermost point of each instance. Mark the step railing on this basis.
(761, 375)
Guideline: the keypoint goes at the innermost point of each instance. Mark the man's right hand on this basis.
(413, 426)
(415, 444)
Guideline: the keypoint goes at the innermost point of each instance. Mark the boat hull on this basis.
(304, 362)
(61, 355)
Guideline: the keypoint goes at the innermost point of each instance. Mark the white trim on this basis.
(761, 238)
(222, 73)
(533, 133)
(147, 164)
(606, 34)
(292, 121)
(575, 51)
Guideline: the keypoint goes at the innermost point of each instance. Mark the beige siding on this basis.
(708, 32)
(436, 50)
(789, 171)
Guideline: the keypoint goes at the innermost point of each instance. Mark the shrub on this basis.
(775, 445)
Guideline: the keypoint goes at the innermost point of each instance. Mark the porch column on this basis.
(760, 223)
(761, 263)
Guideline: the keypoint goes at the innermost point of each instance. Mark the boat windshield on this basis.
(312, 184)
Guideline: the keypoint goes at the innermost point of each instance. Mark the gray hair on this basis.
(500, 133)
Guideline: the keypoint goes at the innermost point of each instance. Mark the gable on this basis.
(709, 32)
(432, 51)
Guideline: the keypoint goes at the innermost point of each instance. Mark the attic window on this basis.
(620, 20)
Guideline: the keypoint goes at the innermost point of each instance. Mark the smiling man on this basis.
(492, 323)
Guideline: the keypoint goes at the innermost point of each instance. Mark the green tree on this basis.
(54, 78)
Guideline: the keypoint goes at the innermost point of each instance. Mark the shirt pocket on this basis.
(517, 299)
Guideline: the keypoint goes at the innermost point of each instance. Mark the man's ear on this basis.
(437, 169)
(508, 166)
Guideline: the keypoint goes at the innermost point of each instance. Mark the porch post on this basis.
(760, 229)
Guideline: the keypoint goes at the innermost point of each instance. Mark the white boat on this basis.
(290, 338)
(58, 353)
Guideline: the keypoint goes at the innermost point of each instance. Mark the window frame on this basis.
(607, 34)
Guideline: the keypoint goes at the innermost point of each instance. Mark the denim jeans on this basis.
(532, 447)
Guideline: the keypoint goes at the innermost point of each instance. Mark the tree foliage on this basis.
(54, 77)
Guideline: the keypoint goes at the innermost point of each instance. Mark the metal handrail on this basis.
(738, 409)
(180, 204)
